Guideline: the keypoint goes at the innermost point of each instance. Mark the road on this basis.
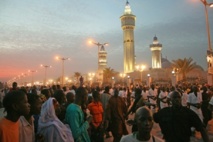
(156, 130)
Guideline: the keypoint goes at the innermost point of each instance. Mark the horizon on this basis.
(35, 32)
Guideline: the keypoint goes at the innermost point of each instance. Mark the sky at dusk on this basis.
(33, 32)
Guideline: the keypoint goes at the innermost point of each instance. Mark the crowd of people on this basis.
(91, 114)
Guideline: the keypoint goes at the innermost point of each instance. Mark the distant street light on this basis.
(175, 72)
(122, 75)
(91, 75)
(50, 81)
(205, 3)
(98, 44)
(129, 80)
(148, 79)
(45, 72)
(24, 75)
(62, 59)
(32, 73)
(209, 50)
(113, 81)
(140, 68)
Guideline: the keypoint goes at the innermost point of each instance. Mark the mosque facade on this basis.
(161, 70)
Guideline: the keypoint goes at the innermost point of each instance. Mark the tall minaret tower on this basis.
(102, 61)
(156, 53)
(128, 25)
(102, 58)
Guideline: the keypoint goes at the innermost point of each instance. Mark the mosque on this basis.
(160, 72)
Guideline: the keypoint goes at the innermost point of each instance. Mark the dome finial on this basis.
(155, 38)
(127, 3)
(127, 8)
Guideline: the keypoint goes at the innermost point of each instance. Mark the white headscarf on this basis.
(48, 118)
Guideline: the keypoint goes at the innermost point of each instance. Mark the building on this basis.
(156, 47)
(102, 58)
(161, 71)
(128, 25)
(102, 63)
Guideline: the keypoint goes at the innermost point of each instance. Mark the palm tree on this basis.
(183, 66)
(77, 75)
(108, 73)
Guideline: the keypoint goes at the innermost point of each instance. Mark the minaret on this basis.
(102, 61)
(128, 25)
(156, 53)
(102, 58)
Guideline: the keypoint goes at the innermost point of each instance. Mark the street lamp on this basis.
(205, 3)
(149, 79)
(91, 75)
(113, 81)
(32, 73)
(122, 75)
(45, 72)
(140, 68)
(209, 50)
(24, 75)
(66, 80)
(100, 45)
(129, 80)
(175, 76)
(62, 59)
(50, 81)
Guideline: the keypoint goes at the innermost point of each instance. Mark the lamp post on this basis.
(113, 81)
(66, 80)
(122, 75)
(205, 3)
(24, 75)
(50, 82)
(32, 73)
(175, 72)
(62, 59)
(148, 79)
(173, 78)
(45, 72)
(209, 50)
(140, 68)
(91, 75)
(99, 45)
(129, 80)
(102, 61)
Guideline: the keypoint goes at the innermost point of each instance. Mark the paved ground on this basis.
(156, 130)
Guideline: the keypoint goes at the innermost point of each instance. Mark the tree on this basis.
(77, 76)
(183, 66)
(108, 73)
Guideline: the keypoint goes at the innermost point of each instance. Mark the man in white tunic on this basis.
(194, 102)
(163, 98)
(152, 96)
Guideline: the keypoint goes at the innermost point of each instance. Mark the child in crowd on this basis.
(26, 131)
(15, 104)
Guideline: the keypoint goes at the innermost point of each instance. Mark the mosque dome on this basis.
(165, 63)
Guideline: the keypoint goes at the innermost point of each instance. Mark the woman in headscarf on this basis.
(52, 129)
